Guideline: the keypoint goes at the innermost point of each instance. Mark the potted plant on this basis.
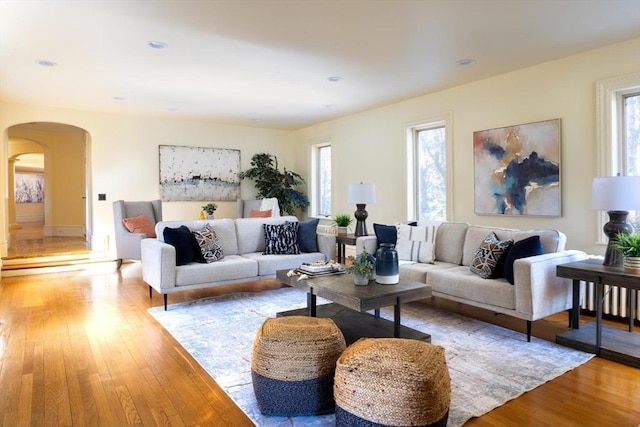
(361, 267)
(271, 182)
(343, 221)
(629, 245)
(209, 209)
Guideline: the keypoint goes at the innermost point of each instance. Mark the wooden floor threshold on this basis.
(52, 264)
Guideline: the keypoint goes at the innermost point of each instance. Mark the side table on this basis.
(343, 240)
(605, 341)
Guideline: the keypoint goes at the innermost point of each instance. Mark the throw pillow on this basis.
(260, 214)
(208, 244)
(281, 239)
(417, 243)
(307, 240)
(181, 239)
(385, 233)
(487, 257)
(140, 224)
(524, 248)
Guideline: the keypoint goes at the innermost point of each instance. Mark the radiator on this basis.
(615, 302)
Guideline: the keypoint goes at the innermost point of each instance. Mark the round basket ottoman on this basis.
(392, 382)
(292, 365)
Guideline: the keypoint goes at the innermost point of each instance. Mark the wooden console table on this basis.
(608, 342)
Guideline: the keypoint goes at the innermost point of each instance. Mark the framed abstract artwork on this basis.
(517, 170)
(199, 173)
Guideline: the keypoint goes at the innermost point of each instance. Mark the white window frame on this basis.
(609, 131)
(442, 120)
(315, 178)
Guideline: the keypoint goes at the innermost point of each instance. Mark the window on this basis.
(321, 186)
(429, 170)
(619, 134)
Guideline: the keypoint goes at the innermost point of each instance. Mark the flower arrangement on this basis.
(210, 208)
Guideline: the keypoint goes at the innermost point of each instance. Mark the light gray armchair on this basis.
(128, 243)
(246, 206)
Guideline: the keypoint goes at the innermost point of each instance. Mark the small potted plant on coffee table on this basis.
(629, 246)
(361, 267)
(209, 209)
(343, 221)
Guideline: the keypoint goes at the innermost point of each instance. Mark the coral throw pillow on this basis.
(260, 214)
(140, 224)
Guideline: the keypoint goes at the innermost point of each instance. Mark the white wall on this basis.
(370, 146)
(123, 157)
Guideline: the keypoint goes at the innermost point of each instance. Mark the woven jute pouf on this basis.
(292, 365)
(392, 382)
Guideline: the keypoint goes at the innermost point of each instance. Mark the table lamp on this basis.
(361, 194)
(617, 195)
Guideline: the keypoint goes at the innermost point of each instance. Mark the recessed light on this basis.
(466, 61)
(172, 109)
(157, 45)
(334, 79)
(119, 98)
(330, 106)
(46, 63)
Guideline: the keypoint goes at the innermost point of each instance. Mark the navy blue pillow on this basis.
(184, 242)
(385, 233)
(307, 240)
(530, 246)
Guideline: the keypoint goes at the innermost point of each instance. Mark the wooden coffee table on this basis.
(351, 303)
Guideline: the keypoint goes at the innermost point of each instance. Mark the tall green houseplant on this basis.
(271, 182)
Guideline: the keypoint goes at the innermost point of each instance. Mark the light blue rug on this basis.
(488, 365)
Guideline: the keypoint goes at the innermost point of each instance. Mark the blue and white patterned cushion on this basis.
(486, 261)
(281, 239)
(208, 243)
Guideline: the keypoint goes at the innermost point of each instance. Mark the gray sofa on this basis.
(242, 241)
(536, 292)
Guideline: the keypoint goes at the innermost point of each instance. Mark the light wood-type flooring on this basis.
(80, 349)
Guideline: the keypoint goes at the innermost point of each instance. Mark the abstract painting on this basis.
(517, 169)
(29, 187)
(199, 173)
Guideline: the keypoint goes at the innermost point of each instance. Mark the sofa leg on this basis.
(529, 330)
(118, 263)
(150, 293)
(165, 301)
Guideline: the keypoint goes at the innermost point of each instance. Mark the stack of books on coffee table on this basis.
(320, 268)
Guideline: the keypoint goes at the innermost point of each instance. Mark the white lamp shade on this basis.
(361, 193)
(616, 193)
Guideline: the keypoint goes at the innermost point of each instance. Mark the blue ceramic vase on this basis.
(387, 264)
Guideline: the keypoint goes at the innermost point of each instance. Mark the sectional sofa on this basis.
(241, 242)
(442, 255)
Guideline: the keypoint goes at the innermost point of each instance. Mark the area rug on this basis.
(488, 365)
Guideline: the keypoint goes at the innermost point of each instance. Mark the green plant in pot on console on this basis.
(342, 221)
(629, 246)
(361, 267)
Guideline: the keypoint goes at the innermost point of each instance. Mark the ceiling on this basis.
(266, 63)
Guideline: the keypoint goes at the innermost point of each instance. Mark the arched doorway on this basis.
(47, 210)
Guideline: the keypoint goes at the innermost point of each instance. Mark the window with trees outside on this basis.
(321, 175)
(429, 171)
(619, 133)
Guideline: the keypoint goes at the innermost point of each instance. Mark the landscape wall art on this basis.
(199, 173)
(517, 170)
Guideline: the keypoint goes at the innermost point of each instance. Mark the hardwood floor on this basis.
(79, 348)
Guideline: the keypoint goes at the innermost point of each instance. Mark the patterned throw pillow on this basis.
(487, 258)
(416, 243)
(208, 243)
(281, 239)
